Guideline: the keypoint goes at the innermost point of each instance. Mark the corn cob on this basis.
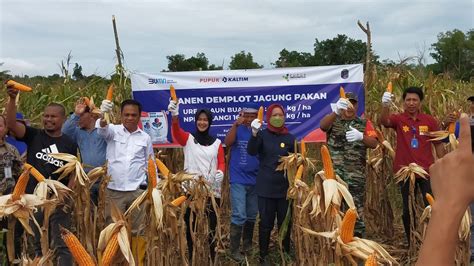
(260, 114)
(151, 174)
(327, 163)
(178, 201)
(299, 172)
(389, 87)
(162, 168)
(342, 93)
(34, 172)
(110, 92)
(371, 260)
(173, 95)
(78, 252)
(430, 199)
(18, 86)
(303, 148)
(110, 250)
(20, 186)
(347, 226)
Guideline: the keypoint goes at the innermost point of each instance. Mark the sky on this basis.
(36, 35)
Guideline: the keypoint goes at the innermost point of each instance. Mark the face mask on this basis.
(276, 121)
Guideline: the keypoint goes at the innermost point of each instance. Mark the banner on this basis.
(305, 93)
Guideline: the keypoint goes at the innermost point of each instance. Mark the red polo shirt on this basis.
(406, 128)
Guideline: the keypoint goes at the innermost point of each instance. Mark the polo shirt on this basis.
(407, 128)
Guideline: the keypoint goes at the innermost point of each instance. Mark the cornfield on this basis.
(322, 207)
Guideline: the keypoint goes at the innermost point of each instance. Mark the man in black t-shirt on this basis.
(40, 143)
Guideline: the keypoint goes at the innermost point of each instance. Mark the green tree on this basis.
(454, 53)
(77, 72)
(243, 60)
(294, 59)
(179, 62)
(339, 51)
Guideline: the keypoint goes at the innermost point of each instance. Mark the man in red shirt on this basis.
(412, 145)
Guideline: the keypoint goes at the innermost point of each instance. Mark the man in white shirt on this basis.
(128, 149)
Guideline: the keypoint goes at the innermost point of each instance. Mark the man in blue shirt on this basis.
(243, 169)
(80, 126)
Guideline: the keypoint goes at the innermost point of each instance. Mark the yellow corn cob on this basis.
(110, 250)
(342, 93)
(162, 168)
(178, 201)
(110, 92)
(151, 173)
(20, 186)
(173, 93)
(303, 148)
(327, 163)
(347, 226)
(371, 260)
(78, 252)
(430, 199)
(451, 128)
(34, 172)
(389, 87)
(18, 86)
(260, 114)
(299, 172)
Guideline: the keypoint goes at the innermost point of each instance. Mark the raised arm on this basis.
(18, 129)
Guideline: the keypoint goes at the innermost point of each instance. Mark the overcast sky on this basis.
(36, 35)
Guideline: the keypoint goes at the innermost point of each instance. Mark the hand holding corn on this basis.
(106, 106)
(173, 108)
(341, 104)
(387, 98)
(256, 125)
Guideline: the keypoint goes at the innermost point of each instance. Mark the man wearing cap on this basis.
(80, 126)
(348, 137)
(243, 169)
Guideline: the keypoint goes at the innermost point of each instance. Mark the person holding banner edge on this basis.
(348, 137)
(204, 156)
(243, 169)
(270, 144)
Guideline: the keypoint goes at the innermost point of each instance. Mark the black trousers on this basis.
(269, 208)
(58, 218)
(212, 219)
(420, 184)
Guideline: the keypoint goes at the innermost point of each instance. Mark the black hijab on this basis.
(203, 138)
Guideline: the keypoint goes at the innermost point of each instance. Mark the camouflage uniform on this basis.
(9, 157)
(349, 159)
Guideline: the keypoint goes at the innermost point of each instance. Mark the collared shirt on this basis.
(408, 128)
(91, 144)
(127, 155)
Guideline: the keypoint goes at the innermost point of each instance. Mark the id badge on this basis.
(414, 143)
(8, 172)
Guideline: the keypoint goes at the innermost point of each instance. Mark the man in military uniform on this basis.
(348, 137)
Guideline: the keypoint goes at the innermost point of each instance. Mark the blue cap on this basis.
(19, 116)
(250, 107)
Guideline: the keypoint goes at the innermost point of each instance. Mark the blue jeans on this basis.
(244, 203)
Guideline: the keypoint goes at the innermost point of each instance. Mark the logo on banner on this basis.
(209, 80)
(234, 79)
(345, 74)
(160, 81)
(289, 76)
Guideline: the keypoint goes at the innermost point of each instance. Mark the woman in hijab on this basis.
(204, 156)
(269, 144)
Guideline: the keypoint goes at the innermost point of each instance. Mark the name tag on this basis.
(423, 129)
